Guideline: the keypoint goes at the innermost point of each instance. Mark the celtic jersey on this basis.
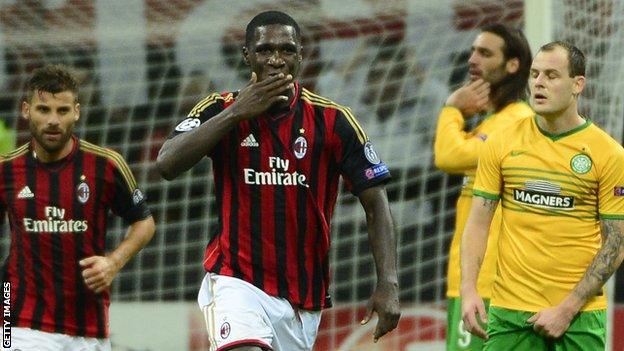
(457, 151)
(554, 191)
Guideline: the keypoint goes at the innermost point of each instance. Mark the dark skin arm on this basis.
(385, 298)
(179, 154)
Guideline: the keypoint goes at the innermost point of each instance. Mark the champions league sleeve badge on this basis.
(137, 196)
(371, 154)
(82, 190)
(188, 124)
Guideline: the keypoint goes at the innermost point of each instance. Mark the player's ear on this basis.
(25, 110)
(77, 107)
(579, 85)
(246, 55)
(512, 65)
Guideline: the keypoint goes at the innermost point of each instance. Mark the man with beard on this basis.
(57, 191)
(278, 151)
(499, 69)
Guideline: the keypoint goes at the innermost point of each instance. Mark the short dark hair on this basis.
(576, 58)
(52, 79)
(266, 18)
(514, 86)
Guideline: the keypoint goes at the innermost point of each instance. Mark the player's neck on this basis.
(45, 156)
(561, 122)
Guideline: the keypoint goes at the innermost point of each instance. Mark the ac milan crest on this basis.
(225, 330)
(82, 192)
(300, 147)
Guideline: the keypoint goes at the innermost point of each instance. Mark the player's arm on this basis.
(385, 298)
(473, 245)
(179, 154)
(554, 321)
(101, 270)
(456, 151)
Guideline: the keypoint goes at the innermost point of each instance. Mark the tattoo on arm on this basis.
(490, 205)
(606, 261)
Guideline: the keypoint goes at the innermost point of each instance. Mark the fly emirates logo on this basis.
(279, 174)
(54, 223)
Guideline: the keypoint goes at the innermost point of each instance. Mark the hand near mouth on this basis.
(258, 97)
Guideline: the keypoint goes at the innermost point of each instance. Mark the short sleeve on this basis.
(611, 186)
(207, 108)
(129, 202)
(358, 161)
(488, 181)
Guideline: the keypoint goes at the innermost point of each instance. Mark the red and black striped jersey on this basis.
(276, 181)
(57, 215)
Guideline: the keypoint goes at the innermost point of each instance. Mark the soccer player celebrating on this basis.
(278, 151)
(560, 180)
(499, 69)
(57, 191)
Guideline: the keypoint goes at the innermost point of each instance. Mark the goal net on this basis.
(144, 64)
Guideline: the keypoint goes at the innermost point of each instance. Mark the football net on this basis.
(143, 66)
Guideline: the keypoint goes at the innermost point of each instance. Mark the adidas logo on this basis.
(25, 193)
(250, 141)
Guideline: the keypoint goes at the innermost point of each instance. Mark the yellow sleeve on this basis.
(611, 187)
(455, 151)
(489, 180)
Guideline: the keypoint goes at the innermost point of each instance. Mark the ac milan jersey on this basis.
(276, 181)
(57, 214)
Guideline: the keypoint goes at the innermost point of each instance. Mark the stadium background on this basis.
(143, 64)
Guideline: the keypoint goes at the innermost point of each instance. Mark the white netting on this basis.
(144, 64)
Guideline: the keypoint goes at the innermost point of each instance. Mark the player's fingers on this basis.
(482, 312)
(533, 318)
(97, 288)
(278, 86)
(87, 261)
(273, 80)
(480, 332)
(485, 92)
(88, 273)
(387, 322)
(254, 78)
(475, 84)
(379, 332)
(481, 86)
(481, 102)
(369, 314)
(278, 98)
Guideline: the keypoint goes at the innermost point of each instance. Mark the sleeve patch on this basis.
(137, 197)
(371, 154)
(188, 124)
(376, 171)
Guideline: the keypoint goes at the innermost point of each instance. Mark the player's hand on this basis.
(551, 322)
(257, 97)
(384, 301)
(98, 272)
(470, 98)
(472, 304)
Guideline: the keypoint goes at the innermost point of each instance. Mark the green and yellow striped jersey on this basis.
(554, 190)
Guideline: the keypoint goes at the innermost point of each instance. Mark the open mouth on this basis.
(539, 98)
(474, 73)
